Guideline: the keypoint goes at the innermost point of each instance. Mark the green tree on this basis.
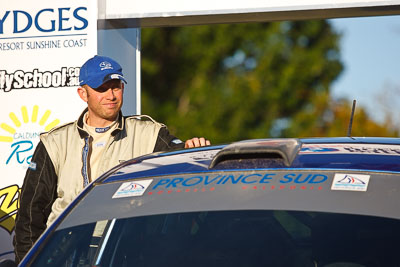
(236, 81)
(334, 119)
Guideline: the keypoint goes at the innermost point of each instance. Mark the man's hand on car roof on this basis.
(197, 142)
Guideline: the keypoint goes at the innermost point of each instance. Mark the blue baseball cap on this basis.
(99, 70)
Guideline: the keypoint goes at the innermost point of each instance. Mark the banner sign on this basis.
(42, 46)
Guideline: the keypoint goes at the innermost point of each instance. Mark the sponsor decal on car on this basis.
(350, 182)
(243, 187)
(371, 149)
(240, 179)
(132, 189)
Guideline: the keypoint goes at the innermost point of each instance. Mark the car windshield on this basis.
(228, 238)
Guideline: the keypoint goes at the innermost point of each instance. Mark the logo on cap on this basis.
(105, 65)
(115, 76)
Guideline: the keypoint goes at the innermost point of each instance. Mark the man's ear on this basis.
(82, 93)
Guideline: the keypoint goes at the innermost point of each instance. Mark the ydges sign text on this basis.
(45, 20)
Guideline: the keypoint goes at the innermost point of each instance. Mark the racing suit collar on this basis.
(83, 133)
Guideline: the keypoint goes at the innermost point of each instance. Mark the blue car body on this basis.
(275, 202)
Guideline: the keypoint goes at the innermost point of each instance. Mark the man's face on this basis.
(104, 102)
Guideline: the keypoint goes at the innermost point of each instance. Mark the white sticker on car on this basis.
(370, 149)
(350, 182)
(132, 189)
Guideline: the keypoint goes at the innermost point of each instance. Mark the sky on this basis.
(370, 52)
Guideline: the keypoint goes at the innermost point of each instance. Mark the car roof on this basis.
(262, 174)
(357, 153)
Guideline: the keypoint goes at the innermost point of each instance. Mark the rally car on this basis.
(267, 202)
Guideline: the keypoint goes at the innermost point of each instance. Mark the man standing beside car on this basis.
(70, 156)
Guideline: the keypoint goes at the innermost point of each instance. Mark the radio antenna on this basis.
(351, 118)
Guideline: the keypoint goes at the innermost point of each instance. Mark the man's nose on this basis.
(110, 94)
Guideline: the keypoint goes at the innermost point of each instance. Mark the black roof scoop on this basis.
(257, 153)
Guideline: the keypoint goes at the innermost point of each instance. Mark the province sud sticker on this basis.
(350, 182)
(132, 189)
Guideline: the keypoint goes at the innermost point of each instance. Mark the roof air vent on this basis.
(259, 153)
